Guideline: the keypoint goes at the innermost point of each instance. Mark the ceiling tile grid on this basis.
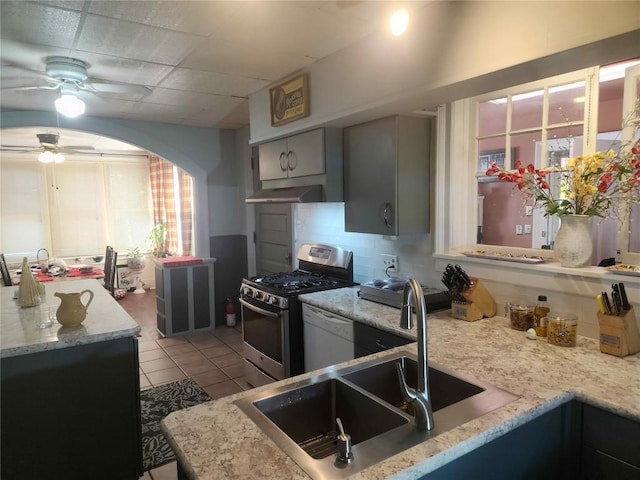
(201, 60)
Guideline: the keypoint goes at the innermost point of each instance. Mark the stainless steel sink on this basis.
(308, 415)
(300, 417)
(382, 381)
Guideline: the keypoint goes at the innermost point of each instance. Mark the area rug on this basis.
(158, 402)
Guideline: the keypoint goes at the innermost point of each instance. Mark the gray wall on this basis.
(217, 160)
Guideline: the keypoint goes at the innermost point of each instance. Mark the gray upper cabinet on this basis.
(386, 170)
(296, 156)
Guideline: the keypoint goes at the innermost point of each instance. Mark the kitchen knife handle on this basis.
(617, 302)
(623, 296)
(463, 275)
(607, 303)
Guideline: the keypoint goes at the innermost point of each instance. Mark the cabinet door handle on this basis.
(381, 345)
(290, 155)
(387, 215)
(283, 161)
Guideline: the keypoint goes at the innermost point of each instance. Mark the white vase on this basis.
(573, 245)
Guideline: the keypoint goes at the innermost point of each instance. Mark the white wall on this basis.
(324, 223)
(455, 50)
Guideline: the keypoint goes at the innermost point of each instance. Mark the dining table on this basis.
(73, 272)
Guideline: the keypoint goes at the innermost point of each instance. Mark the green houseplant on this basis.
(157, 238)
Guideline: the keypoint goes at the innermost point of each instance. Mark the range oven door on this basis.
(265, 337)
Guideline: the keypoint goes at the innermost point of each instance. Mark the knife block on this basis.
(619, 334)
(479, 304)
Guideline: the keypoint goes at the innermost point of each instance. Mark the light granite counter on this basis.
(216, 440)
(21, 332)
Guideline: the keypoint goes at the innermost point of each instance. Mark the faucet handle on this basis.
(344, 454)
(407, 393)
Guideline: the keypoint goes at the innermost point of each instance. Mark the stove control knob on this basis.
(257, 294)
(246, 291)
(272, 300)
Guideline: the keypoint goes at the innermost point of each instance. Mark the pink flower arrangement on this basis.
(589, 184)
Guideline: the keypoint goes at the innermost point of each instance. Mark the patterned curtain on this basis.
(186, 212)
(165, 209)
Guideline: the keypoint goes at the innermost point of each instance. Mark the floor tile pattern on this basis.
(212, 358)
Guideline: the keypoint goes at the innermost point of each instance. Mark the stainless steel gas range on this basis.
(272, 328)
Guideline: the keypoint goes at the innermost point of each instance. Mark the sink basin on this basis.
(300, 417)
(308, 414)
(382, 381)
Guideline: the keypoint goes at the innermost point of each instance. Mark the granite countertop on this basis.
(216, 440)
(22, 334)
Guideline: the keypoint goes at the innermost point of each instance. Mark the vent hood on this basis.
(302, 194)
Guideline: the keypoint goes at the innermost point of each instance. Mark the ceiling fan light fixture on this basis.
(69, 105)
(51, 157)
(46, 157)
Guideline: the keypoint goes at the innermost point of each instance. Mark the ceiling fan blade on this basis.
(18, 149)
(25, 89)
(116, 88)
(75, 148)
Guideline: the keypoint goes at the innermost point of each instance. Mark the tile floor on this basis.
(211, 358)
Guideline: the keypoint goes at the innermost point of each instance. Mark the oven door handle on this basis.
(261, 311)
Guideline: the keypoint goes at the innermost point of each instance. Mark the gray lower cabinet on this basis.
(72, 413)
(185, 298)
(574, 441)
(386, 176)
(368, 340)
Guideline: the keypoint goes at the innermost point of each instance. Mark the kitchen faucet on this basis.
(419, 397)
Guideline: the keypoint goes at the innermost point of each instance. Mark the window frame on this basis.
(46, 178)
(460, 153)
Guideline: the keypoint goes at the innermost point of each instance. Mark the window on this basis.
(75, 208)
(544, 123)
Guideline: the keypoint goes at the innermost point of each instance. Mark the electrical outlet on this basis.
(390, 262)
(518, 229)
(527, 229)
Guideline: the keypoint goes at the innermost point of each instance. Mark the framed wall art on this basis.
(289, 100)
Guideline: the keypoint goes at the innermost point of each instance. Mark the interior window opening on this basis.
(75, 208)
(546, 125)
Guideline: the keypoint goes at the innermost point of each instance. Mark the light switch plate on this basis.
(518, 229)
(527, 229)
(528, 210)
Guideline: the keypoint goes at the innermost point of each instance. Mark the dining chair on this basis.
(6, 276)
(110, 262)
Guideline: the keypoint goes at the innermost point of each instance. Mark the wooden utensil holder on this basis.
(619, 334)
(481, 303)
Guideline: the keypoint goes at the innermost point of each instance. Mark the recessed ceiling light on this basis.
(399, 21)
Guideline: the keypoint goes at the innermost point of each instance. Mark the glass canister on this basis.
(562, 329)
(521, 315)
(539, 316)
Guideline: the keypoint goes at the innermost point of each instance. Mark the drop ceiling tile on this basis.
(40, 24)
(212, 82)
(234, 109)
(135, 41)
(29, 57)
(157, 111)
(286, 27)
(243, 61)
(123, 70)
(201, 18)
(68, 4)
(28, 99)
(167, 96)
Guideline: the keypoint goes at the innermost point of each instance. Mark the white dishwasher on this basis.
(328, 338)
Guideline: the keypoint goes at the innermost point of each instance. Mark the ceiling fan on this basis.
(50, 150)
(70, 76)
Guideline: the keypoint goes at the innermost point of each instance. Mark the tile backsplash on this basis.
(324, 223)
